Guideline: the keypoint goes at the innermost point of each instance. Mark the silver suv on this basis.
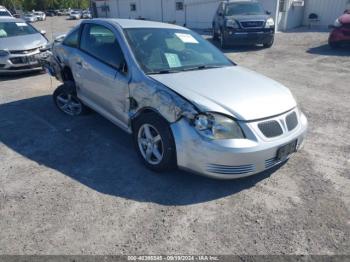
(183, 101)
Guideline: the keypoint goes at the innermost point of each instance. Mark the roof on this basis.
(130, 23)
(10, 19)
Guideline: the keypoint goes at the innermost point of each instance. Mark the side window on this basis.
(101, 43)
(72, 39)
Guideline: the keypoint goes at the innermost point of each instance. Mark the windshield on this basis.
(75, 13)
(171, 50)
(4, 13)
(9, 29)
(243, 9)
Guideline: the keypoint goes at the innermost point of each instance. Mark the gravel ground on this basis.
(75, 186)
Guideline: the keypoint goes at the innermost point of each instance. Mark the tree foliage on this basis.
(43, 4)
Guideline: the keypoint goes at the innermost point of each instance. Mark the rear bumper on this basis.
(240, 37)
(232, 158)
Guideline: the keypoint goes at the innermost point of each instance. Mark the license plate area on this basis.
(285, 151)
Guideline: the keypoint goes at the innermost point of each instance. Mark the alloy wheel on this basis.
(69, 104)
(150, 144)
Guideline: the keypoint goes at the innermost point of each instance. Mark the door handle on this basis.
(79, 63)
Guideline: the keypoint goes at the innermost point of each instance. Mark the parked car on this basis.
(340, 33)
(41, 16)
(4, 12)
(185, 103)
(75, 15)
(243, 23)
(86, 15)
(60, 12)
(66, 12)
(30, 18)
(50, 13)
(19, 44)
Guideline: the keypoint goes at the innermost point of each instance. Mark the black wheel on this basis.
(154, 142)
(268, 45)
(66, 100)
(223, 43)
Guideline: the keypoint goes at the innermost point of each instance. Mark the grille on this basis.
(23, 60)
(252, 24)
(292, 121)
(23, 52)
(231, 170)
(270, 128)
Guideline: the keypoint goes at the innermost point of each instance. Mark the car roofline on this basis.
(133, 23)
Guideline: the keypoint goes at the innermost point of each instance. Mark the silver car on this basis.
(183, 101)
(20, 44)
(30, 18)
(75, 15)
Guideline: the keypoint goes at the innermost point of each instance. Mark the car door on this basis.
(104, 80)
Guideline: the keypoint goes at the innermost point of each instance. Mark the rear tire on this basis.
(67, 101)
(154, 142)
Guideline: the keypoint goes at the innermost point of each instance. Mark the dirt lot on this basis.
(75, 186)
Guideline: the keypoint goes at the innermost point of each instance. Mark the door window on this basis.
(101, 43)
(72, 39)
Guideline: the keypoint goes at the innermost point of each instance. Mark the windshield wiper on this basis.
(160, 72)
(201, 67)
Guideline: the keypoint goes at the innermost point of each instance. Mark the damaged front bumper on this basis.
(231, 158)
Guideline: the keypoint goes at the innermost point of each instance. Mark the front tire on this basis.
(270, 44)
(67, 101)
(154, 142)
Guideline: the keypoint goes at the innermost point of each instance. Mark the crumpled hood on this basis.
(233, 90)
(22, 42)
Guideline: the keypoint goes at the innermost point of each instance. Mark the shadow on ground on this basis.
(328, 51)
(99, 155)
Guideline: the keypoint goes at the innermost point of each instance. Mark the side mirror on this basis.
(43, 32)
(268, 12)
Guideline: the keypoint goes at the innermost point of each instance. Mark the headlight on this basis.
(337, 23)
(4, 53)
(216, 126)
(269, 23)
(232, 24)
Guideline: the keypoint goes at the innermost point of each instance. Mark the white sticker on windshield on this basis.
(21, 24)
(173, 60)
(186, 38)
